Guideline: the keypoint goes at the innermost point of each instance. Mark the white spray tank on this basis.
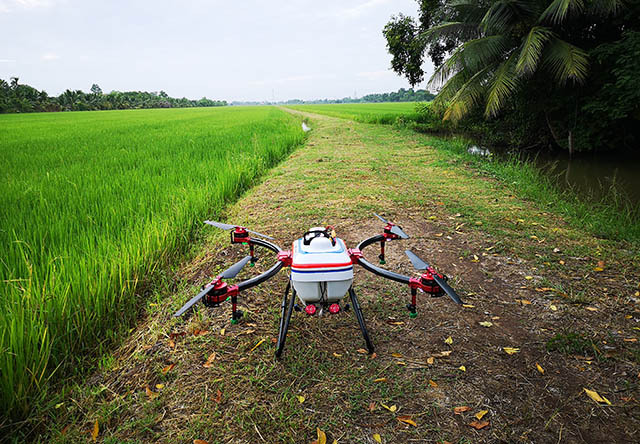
(321, 271)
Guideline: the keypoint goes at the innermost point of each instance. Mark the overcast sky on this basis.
(221, 49)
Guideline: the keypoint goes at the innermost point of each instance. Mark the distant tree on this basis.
(95, 89)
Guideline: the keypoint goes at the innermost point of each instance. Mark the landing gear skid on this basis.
(285, 317)
(287, 307)
(358, 311)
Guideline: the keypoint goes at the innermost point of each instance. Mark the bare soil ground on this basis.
(566, 301)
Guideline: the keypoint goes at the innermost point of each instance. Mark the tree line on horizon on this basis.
(20, 98)
(402, 95)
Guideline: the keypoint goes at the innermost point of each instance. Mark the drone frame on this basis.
(430, 282)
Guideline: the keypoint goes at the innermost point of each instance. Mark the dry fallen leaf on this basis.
(372, 406)
(523, 301)
(486, 324)
(222, 331)
(540, 369)
(481, 414)
(377, 438)
(380, 380)
(396, 355)
(218, 398)
(449, 340)
(95, 431)
(362, 350)
(322, 437)
(337, 355)
(432, 383)
(167, 368)
(200, 441)
(172, 343)
(257, 345)
(511, 350)
(392, 409)
(528, 278)
(461, 409)
(210, 360)
(430, 360)
(150, 393)
(553, 307)
(478, 425)
(596, 397)
(462, 368)
(445, 353)
(591, 308)
(468, 306)
(300, 398)
(407, 420)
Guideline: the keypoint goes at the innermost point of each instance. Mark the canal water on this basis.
(593, 175)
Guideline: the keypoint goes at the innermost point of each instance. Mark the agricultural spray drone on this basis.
(321, 275)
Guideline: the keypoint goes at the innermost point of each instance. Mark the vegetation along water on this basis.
(93, 203)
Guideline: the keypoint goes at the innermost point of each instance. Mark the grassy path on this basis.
(566, 301)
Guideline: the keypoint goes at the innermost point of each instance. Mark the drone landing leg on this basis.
(358, 311)
(285, 318)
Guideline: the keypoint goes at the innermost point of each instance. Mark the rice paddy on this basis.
(385, 113)
(93, 203)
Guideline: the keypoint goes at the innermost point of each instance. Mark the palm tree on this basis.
(507, 42)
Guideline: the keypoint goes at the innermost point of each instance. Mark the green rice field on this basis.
(93, 203)
(385, 113)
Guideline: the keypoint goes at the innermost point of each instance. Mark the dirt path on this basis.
(565, 301)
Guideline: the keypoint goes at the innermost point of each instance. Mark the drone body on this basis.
(321, 270)
(321, 275)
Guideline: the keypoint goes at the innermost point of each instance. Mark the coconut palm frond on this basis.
(450, 89)
(557, 11)
(483, 51)
(467, 96)
(532, 48)
(469, 11)
(444, 72)
(460, 30)
(606, 7)
(566, 62)
(504, 14)
(505, 82)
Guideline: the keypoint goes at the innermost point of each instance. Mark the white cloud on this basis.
(50, 56)
(362, 8)
(13, 5)
(375, 75)
(293, 79)
(7, 61)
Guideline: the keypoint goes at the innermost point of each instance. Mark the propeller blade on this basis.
(192, 302)
(231, 227)
(229, 273)
(381, 218)
(447, 289)
(418, 263)
(233, 270)
(220, 225)
(398, 231)
(260, 234)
